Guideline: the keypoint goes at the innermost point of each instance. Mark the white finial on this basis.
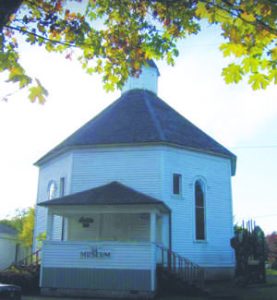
(148, 79)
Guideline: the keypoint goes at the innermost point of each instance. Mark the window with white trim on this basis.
(177, 184)
(62, 191)
(62, 186)
(199, 212)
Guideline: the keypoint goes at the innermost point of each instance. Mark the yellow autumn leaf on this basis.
(273, 76)
(12, 17)
(248, 17)
(232, 48)
(232, 73)
(201, 10)
(274, 53)
(258, 81)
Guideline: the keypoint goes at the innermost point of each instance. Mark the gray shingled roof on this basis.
(113, 193)
(7, 230)
(139, 116)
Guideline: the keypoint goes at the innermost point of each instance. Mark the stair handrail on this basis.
(183, 267)
(25, 261)
(31, 259)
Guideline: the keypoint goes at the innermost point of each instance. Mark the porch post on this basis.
(153, 226)
(65, 229)
(50, 221)
(165, 230)
(153, 229)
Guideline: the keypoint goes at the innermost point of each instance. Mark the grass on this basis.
(271, 272)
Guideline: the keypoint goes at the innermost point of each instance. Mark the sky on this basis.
(242, 120)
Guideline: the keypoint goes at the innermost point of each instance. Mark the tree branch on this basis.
(240, 11)
(24, 31)
(268, 27)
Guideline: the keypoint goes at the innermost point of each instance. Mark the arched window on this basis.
(199, 211)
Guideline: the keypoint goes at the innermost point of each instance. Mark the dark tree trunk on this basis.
(7, 8)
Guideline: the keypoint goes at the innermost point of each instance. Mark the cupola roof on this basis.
(147, 80)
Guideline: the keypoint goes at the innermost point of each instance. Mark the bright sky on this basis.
(243, 120)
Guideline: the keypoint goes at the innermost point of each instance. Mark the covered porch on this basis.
(108, 245)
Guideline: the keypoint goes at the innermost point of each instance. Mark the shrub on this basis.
(28, 281)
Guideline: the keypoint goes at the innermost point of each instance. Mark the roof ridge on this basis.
(154, 118)
(194, 126)
(104, 111)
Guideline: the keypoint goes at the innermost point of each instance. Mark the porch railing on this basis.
(181, 266)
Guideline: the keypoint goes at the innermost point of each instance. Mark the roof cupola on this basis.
(148, 79)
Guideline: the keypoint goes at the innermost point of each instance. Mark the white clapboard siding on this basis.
(7, 250)
(210, 257)
(132, 256)
(54, 169)
(136, 167)
(215, 172)
(149, 169)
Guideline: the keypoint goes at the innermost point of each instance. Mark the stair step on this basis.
(178, 274)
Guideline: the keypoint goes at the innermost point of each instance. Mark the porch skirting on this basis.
(89, 293)
(95, 282)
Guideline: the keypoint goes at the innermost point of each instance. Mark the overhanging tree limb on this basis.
(116, 37)
(257, 21)
(237, 12)
(24, 31)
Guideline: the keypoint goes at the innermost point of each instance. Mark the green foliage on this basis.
(232, 73)
(26, 234)
(23, 222)
(250, 251)
(38, 93)
(16, 221)
(115, 37)
(40, 238)
(272, 272)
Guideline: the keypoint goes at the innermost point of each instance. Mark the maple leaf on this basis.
(258, 81)
(232, 73)
(38, 93)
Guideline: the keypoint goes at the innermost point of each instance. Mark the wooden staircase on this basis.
(24, 273)
(30, 263)
(177, 274)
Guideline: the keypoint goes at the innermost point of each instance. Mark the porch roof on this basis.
(113, 193)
